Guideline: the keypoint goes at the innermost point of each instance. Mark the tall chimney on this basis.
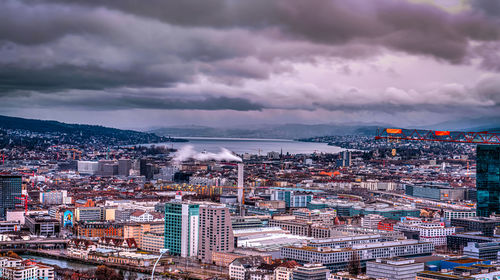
(240, 183)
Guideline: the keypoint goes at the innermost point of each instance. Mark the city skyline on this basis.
(126, 65)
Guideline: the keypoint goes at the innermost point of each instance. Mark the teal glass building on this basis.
(488, 180)
(181, 228)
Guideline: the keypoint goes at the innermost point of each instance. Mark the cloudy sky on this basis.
(139, 64)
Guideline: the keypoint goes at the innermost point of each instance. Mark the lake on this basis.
(253, 146)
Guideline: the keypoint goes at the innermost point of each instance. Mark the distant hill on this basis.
(76, 134)
(285, 131)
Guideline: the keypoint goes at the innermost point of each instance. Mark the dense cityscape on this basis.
(250, 139)
(389, 209)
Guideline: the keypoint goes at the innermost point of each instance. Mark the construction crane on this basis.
(483, 137)
(24, 203)
(75, 151)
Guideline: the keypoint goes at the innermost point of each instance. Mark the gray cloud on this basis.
(226, 54)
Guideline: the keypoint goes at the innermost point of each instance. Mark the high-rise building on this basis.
(10, 188)
(488, 180)
(216, 232)
(181, 228)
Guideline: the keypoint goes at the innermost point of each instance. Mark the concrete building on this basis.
(337, 259)
(485, 251)
(55, 197)
(124, 166)
(239, 269)
(394, 269)
(456, 214)
(215, 231)
(89, 214)
(152, 242)
(311, 271)
(292, 199)
(182, 221)
(88, 167)
(486, 225)
(285, 270)
(43, 225)
(371, 221)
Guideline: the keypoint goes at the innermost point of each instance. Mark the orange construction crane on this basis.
(483, 137)
(75, 151)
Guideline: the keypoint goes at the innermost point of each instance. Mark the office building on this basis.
(124, 166)
(458, 241)
(457, 214)
(371, 221)
(473, 272)
(10, 188)
(292, 199)
(337, 259)
(43, 225)
(484, 251)
(88, 167)
(311, 271)
(89, 214)
(394, 269)
(55, 197)
(344, 159)
(181, 228)
(486, 225)
(435, 191)
(488, 180)
(215, 231)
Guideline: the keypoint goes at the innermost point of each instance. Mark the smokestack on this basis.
(240, 184)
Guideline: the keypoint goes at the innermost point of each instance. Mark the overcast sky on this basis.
(145, 63)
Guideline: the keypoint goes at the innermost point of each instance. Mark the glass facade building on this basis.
(181, 228)
(10, 188)
(488, 180)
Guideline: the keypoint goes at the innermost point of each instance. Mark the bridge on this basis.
(34, 244)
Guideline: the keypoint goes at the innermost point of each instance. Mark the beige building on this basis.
(215, 231)
(137, 230)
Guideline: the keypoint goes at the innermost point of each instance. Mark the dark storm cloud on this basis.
(109, 55)
(409, 27)
(489, 7)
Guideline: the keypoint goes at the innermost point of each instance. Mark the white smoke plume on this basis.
(187, 152)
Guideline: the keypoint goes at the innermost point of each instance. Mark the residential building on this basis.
(394, 269)
(239, 268)
(285, 270)
(99, 229)
(488, 180)
(215, 231)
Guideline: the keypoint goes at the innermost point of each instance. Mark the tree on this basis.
(105, 273)
(354, 264)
